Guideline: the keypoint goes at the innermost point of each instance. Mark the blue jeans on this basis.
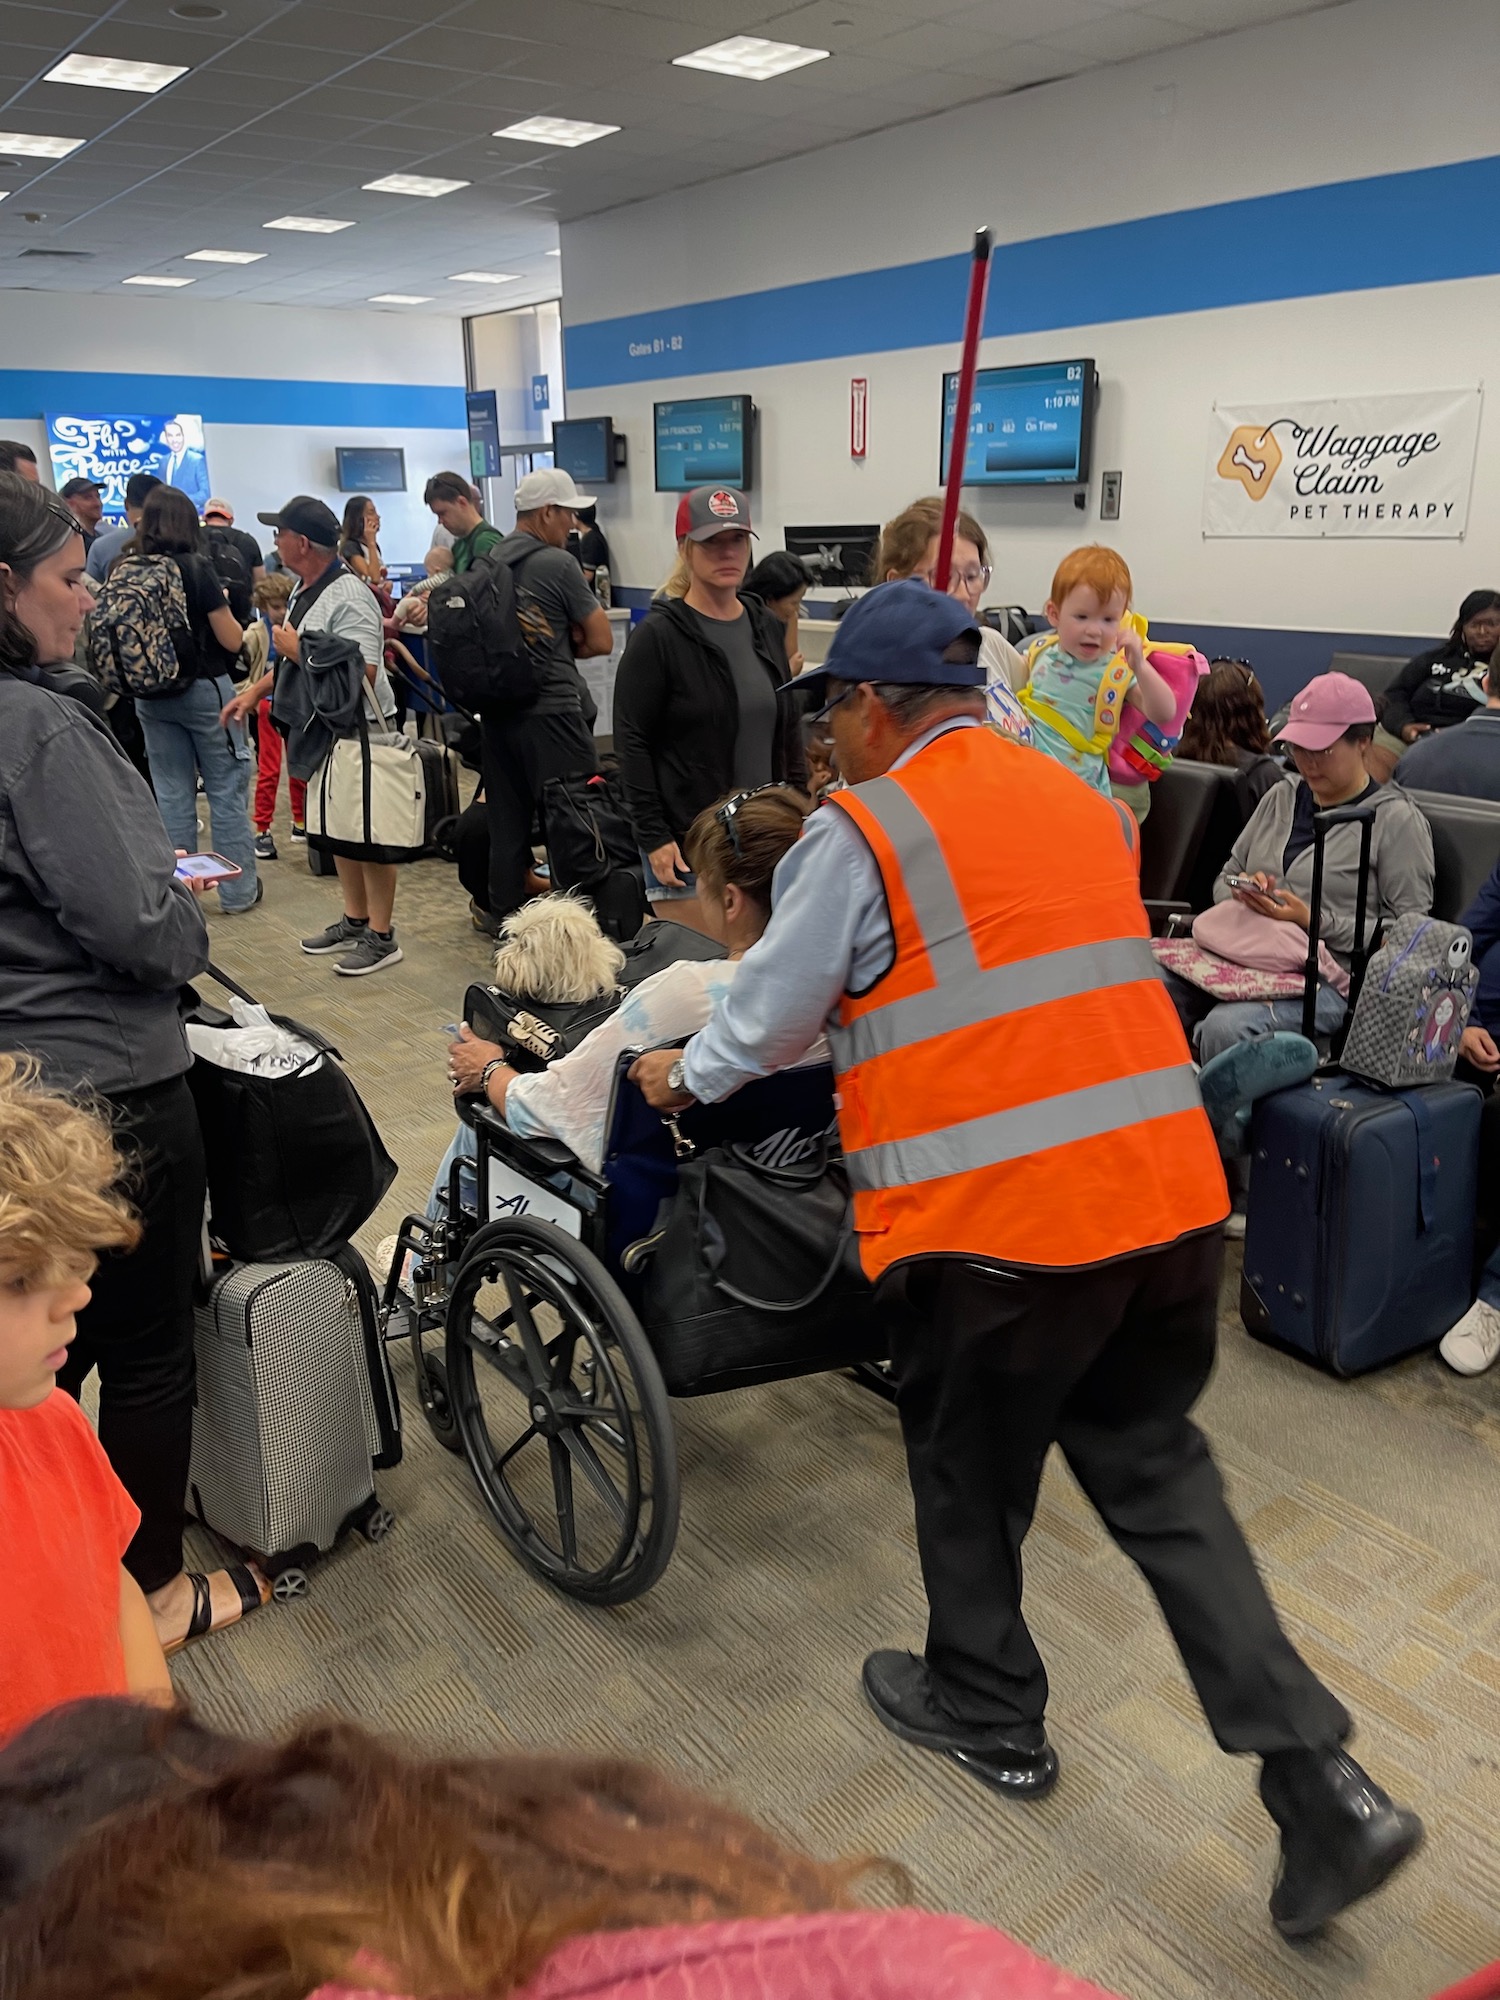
(1234, 1021)
(464, 1147)
(183, 737)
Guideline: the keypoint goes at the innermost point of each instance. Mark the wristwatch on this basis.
(677, 1076)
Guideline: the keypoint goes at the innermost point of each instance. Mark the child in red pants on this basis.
(271, 595)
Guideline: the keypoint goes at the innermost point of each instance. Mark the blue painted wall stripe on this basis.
(236, 399)
(1394, 229)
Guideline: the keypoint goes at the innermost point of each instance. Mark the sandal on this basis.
(252, 1596)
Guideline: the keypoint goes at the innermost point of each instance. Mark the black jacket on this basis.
(1430, 689)
(677, 715)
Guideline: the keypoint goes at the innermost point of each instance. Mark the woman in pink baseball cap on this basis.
(1269, 870)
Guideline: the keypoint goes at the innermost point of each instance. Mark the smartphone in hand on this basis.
(206, 869)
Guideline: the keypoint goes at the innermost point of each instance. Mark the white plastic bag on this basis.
(255, 1045)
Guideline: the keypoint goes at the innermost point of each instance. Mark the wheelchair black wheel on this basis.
(433, 1394)
(562, 1411)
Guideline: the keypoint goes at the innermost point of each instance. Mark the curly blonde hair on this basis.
(60, 1201)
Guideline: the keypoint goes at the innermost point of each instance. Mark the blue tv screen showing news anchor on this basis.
(109, 450)
(1028, 426)
(704, 442)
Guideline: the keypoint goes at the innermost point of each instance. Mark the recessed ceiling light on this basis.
(35, 146)
(224, 256)
(482, 277)
(110, 73)
(750, 56)
(170, 284)
(556, 131)
(554, 253)
(400, 299)
(4, 194)
(311, 225)
(413, 184)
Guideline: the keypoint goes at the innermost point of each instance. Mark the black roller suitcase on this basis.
(1360, 1229)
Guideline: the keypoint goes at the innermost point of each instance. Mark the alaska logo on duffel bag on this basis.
(475, 638)
(139, 627)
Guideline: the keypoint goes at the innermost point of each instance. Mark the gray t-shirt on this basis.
(348, 608)
(756, 736)
(553, 597)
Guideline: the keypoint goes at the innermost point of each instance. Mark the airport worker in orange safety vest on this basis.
(1039, 1201)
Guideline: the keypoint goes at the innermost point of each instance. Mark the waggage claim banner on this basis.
(1388, 467)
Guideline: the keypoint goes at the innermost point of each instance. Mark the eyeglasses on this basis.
(971, 579)
(726, 814)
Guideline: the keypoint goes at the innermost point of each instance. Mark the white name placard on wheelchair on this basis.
(510, 1193)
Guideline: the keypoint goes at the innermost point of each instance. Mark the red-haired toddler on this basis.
(1080, 677)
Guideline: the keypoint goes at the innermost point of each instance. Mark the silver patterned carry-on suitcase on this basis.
(296, 1409)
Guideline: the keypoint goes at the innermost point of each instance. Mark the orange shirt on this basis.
(67, 1522)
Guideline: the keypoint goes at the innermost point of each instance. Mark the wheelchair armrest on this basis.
(528, 1155)
(1165, 916)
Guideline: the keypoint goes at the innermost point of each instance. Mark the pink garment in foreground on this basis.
(839, 1955)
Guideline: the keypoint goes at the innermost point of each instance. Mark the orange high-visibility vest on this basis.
(1017, 1087)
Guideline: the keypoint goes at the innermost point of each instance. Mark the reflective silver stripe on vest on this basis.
(1029, 1128)
(939, 914)
(986, 994)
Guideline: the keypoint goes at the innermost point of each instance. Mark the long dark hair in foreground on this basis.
(143, 1857)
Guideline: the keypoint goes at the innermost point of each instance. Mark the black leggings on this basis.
(138, 1328)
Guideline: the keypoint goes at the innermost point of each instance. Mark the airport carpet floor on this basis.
(1372, 1506)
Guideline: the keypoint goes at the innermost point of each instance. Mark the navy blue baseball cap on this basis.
(906, 633)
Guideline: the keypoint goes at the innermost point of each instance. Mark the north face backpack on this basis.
(232, 571)
(139, 635)
(475, 640)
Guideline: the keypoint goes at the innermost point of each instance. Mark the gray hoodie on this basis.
(1400, 862)
(96, 937)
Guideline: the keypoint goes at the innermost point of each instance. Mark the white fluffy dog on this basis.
(553, 951)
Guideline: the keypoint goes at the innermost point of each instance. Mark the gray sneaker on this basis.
(370, 954)
(337, 937)
(265, 847)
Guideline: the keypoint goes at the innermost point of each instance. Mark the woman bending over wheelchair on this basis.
(733, 848)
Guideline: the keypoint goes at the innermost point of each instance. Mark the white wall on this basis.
(1371, 87)
(261, 464)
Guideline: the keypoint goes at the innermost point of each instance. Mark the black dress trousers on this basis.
(994, 1365)
(522, 749)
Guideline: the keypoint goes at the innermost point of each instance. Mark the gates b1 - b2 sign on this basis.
(1373, 466)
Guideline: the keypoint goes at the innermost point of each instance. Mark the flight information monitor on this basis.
(1030, 426)
(704, 442)
(585, 447)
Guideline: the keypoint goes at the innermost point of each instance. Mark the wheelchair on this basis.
(546, 1380)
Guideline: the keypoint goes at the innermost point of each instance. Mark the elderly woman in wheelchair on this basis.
(523, 1289)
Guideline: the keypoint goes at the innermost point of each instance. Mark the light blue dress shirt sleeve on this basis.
(830, 931)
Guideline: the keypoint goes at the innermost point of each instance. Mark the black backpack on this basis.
(591, 846)
(475, 641)
(232, 571)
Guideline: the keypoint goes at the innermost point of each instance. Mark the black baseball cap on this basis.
(305, 514)
(79, 486)
(905, 633)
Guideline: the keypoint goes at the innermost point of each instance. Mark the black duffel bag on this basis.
(756, 1275)
(295, 1164)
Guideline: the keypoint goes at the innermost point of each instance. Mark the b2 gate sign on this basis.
(1389, 467)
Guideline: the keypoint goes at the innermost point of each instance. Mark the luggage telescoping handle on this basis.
(1323, 822)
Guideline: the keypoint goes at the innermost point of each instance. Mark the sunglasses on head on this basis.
(726, 814)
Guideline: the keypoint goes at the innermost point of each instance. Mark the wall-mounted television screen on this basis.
(371, 468)
(1030, 426)
(707, 441)
(585, 447)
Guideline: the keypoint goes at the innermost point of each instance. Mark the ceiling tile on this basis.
(1024, 20)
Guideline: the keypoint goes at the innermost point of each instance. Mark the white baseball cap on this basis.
(550, 489)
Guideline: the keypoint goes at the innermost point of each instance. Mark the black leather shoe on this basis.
(898, 1686)
(1341, 1836)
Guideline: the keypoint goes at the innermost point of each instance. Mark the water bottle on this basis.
(601, 585)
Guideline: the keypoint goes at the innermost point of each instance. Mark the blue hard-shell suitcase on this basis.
(1360, 1232)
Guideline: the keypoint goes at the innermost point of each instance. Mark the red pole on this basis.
(979, 285)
